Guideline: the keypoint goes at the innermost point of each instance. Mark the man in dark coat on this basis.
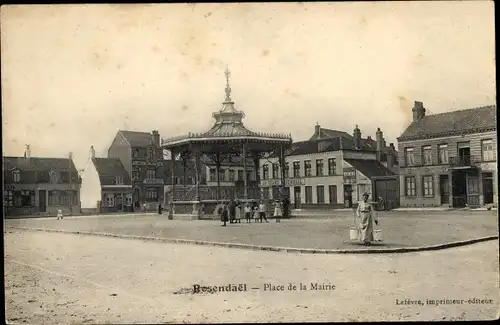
(286, 207)
(223, 215)
(232, 211)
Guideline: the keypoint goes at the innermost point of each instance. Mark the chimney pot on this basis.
(92, 152)
(317, 130)
(418, 111)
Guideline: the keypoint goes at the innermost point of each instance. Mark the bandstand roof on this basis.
(228, 128)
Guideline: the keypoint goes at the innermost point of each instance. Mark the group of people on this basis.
(254, 211)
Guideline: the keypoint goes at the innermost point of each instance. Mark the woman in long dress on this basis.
(277, 211)
(366, 219)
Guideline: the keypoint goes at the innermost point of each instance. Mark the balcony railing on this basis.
(463, 161)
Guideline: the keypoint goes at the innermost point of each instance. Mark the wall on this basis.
(91, 187)
(120, 149)
(436, 169)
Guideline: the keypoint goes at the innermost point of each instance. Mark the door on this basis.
(296, 196)
(444, 189)
(488, 188)
(42, 202)
(348, 196)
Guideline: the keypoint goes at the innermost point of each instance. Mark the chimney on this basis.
(391, 156)
(357, 137)
(92, 152)
(317, 131)
(156, 138)
(418, 111)
(380, 139)
(27, 152)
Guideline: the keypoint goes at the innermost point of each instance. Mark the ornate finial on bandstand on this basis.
(228, 88)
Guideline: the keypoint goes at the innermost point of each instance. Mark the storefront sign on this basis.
(288, 182)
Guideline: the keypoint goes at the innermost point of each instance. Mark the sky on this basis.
(73, 75)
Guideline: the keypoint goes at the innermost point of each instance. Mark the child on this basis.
(248, 212)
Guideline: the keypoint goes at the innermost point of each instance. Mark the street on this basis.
(66, 278)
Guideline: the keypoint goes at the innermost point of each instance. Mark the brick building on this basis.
(142, 157)
(40, 185)
(332, 169)
(449, 159)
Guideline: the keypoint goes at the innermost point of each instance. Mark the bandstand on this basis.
(227, 140)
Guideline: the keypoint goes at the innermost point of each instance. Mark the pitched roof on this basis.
(326, 145)
(37, 169)
(369, 168)
(137, 139)
(329, 133)
(110, 168)
(471, 120)
(39, 164)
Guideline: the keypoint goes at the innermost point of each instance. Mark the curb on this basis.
(270, 248)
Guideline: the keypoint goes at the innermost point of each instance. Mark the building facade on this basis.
(106, 186)
(142, 157)
(330, 170)
(449, 159)
(40, 186)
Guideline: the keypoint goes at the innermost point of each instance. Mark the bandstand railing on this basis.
(209, 193)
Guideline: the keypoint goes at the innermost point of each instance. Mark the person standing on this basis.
(248, 212)
(277, 211)
(231, 207)
(223, 214)
(365, 216)
(160, 209)
(262, 211)
(286, 207)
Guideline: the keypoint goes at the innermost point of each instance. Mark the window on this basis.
(110, 200)
(276, 171)
(319, 167)
(222, 175)
(265, 193)
(54, 198)
(320, 194)
(151, 174)
(428, 186)
(427, 155)
(307, 168)
(231, 175)
(411, 186)
(240, 175)
(250, 175)
(309, 194)
(213, 174)
(287, 170)
(332, 167)
(128, 199)
(119, 180)
(296, 169)
(190, 180)
(71, 197)
(54, 177)
(443, 153)
(332, 189)
(409, 157)
(18, 199)
(8, 198)
(136, 174)
(17, 176)
(265, 171)
(151, 193)
(488, 154)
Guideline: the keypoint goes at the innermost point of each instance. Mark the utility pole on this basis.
(70, 201)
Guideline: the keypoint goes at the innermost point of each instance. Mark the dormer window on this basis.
(119, 180)
(54, 177)
(16, 174)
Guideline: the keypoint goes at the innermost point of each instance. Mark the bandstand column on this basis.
(282, 170)
(256, 162)
(197, 205)
(217, 168)
(171, 210)
(245, 175)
